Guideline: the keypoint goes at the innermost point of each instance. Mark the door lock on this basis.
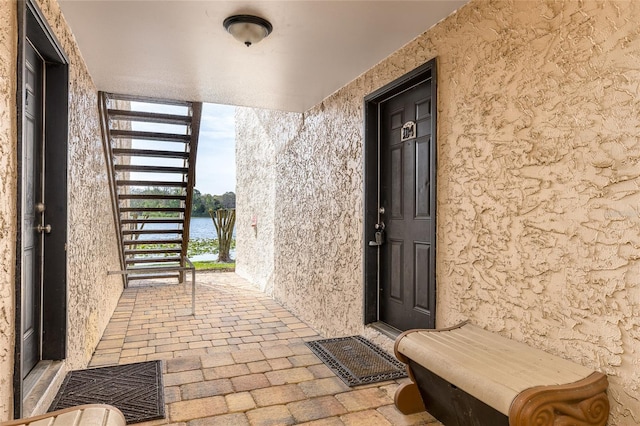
(378, 236)
(44, 229)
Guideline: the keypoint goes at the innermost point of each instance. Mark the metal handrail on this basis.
(193, 285)
(196, 116)
(106, 145)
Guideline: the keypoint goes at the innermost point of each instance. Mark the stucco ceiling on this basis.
(179, 49)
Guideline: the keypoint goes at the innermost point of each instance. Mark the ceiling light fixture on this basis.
(247, 29)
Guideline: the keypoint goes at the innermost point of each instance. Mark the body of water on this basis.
(201, 228)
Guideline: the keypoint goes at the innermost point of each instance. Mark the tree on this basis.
(202, 203)
(197, 206)
(228, 200)
(211, 202)
(224, 220)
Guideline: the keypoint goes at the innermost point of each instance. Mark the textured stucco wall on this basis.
(538, 196)
(8, 51)
(256, 194)
(92, 250)
(538, 184)
(319, 210)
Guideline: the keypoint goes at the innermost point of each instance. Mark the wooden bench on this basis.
(465, 376)
(82, 415)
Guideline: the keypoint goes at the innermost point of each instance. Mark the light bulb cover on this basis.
(247, 29)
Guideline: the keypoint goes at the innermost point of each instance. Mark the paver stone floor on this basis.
(241, 360)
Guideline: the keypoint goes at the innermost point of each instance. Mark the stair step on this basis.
(134, 98)
(133, 252)
(148, 117)
(150, 169)
(134, 277)
(149, 136)
(150, 242)
(152, 197)
(151, 183)
(153, 220)
(151, 231)
(150, 153)
(153, 260)
(152, 209)
(154, 268)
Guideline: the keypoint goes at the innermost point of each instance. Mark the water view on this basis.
(201, 228)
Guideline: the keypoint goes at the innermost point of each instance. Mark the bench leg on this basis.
(408, 400)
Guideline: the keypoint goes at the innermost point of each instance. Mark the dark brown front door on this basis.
(406, 207)
(32, 211)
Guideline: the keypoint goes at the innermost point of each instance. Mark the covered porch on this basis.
(536, 155)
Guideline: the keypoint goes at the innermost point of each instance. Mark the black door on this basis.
(32, 211)
(41, 264)
(402, 208)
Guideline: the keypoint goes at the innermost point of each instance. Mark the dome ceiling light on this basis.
(247, 29)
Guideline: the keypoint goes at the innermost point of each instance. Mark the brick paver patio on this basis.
(240, 361)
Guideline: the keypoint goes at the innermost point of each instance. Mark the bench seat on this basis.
(82, 415)
(510, 377)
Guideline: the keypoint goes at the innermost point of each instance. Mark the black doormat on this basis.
(135, 389)
(357, 361)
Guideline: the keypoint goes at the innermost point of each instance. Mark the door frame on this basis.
(371, 175)
(33, 27)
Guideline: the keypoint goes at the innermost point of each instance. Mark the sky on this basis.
(215, 160)
(215, 163)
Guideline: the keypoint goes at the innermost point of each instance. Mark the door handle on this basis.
(44, 229)
(40, 208)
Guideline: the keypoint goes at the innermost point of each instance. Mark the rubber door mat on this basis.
(135, 389)
(357, 361)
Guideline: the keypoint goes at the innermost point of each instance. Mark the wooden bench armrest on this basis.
(584, 402)
(89, 414)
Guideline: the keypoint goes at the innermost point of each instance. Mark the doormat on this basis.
(357, 361)
(135, 389)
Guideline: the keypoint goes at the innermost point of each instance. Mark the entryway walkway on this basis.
(240, 361)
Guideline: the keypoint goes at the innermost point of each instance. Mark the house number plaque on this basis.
(408, 131)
